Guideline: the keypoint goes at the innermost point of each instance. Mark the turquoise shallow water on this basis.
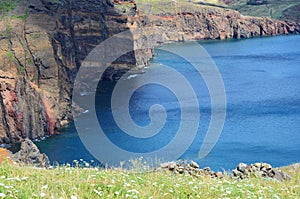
(262, 82)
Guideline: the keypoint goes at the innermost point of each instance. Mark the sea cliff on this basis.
(43, 43)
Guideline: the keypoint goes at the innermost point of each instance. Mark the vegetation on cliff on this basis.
(7, 6)
(284, 10)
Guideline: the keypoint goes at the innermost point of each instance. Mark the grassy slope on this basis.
(153, 7)
(277, 9)
(274, 9)
(65, 182)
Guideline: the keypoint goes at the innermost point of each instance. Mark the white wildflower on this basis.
(43, 195)
(133, 191)
(17, 179)
(276, 196)
(74, 197)
(126, 184)
(45, 186)
(2, 195)
(117, 192)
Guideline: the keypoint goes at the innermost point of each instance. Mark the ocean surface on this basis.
(262, 85)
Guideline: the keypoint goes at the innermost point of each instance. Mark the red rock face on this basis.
(22, 113)
(40, 56)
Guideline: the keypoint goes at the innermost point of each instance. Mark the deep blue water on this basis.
(262, 82)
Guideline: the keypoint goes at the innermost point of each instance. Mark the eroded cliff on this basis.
(43, 43)
(181, 21)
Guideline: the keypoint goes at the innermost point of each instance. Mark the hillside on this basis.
(75, 182)
(277, 9)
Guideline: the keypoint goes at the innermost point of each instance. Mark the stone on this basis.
(279, 175)
(194, 164)
(219, 175)
(29, 154)
(264, 169)
(164, 165)
(64, 122)
(172, 165)
(236, 173)
(249, 168)
(257, 165)
(267, 166)
(206, 169)
(271, 173)
(258, 173)
(242, 167)
(180, 169)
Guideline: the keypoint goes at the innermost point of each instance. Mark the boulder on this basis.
(29, 154)
(194, 164)
(172, 165)
(242, 167)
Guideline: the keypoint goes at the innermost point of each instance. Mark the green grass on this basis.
(156, 7)
(10, 55)
(7, 5)
(21, 17)
(273, 8)
(66, 182)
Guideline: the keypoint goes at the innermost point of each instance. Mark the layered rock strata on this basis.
(44, 42)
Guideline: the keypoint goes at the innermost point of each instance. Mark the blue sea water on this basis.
(262, 83)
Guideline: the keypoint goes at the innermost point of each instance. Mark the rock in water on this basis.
(31, 155)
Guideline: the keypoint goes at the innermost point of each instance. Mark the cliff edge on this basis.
(43, 43)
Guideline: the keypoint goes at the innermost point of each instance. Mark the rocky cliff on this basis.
(184, 21)
(43, 43)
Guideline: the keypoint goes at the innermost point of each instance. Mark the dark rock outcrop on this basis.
(29, 154)
(259, 170)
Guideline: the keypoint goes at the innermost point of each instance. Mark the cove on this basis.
(262, 82)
